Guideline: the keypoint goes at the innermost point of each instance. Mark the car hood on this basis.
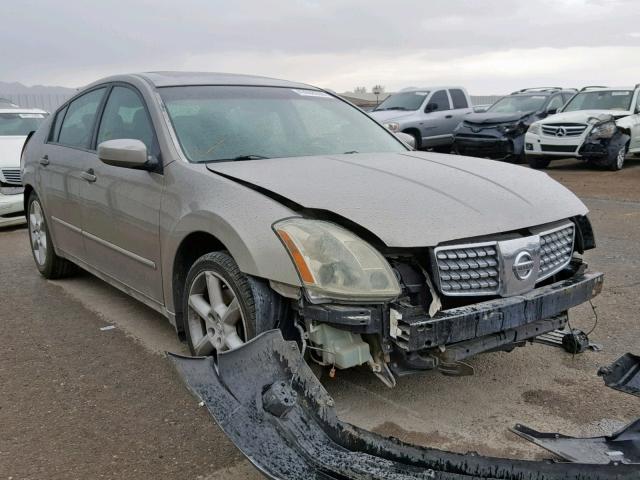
(583, 116)
(391, 115)
(416, 198)
(490, 117)
(10, 148)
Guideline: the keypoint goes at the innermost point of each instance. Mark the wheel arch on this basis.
(416, 134)
(27, 193)
(192, 247)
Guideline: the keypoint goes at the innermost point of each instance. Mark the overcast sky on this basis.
(488, 46)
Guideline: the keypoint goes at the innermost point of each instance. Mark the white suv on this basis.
(600, 125)
(15, 124)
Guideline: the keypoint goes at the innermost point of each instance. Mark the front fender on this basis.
(197, 200)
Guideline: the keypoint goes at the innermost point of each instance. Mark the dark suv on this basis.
(498, 133)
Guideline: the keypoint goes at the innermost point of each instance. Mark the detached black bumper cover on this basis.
(272, 407)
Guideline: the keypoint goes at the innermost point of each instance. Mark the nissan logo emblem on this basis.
(561, 132)
(523, 265)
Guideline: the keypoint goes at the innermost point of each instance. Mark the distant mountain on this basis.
(17, 88)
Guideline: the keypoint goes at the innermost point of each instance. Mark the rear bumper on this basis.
(541, 306)
(10, 207)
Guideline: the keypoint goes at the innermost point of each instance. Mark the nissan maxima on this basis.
(237, 204)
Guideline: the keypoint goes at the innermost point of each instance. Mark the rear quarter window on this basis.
(57, 123)
(459, 98)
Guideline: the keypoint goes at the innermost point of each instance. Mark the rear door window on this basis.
(458, 98)
(78, 123)
(441, 101)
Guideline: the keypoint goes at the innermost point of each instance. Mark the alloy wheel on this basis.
(622, 153)
(215, 320)
(38, 233)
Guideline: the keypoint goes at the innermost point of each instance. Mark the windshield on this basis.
(218, 123)
(403, 101)
(518, 103)
(600, 100)
(19, 123)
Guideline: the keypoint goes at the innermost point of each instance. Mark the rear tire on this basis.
(223, 308)
(49, 264)
(538, 163)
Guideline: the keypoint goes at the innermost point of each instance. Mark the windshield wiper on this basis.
(248, 157)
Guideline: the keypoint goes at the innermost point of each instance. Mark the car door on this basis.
(436, 127)
(121, 206)
(64, 158)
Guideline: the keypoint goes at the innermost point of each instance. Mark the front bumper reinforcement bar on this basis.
(266, 399)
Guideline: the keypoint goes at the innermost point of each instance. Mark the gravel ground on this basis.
(78, 402)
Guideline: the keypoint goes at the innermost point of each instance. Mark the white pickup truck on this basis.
(15, 124)
(429, 114)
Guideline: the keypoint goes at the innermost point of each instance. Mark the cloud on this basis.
(490, 46)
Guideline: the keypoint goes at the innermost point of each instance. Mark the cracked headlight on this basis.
(535, 129)
(334, 263)
(603, 130)
(394, 127)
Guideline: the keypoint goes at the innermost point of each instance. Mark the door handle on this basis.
(89, 176)
(448, 116)
(44, 160)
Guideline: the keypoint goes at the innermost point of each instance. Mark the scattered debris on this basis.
(268, 401)
(573, 341)
(621, 447)
(623, 374)
(108, 327)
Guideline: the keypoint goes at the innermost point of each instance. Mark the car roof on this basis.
(608, 89)
(174, 79)
(430, 88)
(22, 110)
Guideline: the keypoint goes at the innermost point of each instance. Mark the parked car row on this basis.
(600, 125)
(15, 125)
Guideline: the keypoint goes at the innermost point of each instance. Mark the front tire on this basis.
(49, 264)
(538, 163)
(617, 162)
(223, 307)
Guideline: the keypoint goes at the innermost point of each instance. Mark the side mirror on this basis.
(406, 138)
(123, 152)
(431, 107)
(552, 111)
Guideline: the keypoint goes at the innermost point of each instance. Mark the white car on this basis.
(15, 124)
(600, 125)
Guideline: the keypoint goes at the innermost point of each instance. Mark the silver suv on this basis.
(236, 204)
(429, 114)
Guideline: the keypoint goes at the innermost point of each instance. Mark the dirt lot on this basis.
(78, 402)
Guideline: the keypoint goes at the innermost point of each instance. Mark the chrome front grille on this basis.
(468, 270)
(563, 130)
(495, 268)
(556, 248)
(12, 175)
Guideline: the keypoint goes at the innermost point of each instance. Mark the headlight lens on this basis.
(603, 130)
(394, 127)
(534, 128)
(334, 263)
